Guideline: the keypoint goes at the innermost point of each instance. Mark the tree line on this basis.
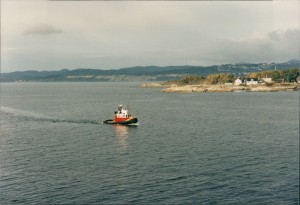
(277, 76)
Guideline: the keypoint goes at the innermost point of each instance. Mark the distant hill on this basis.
(142, 73)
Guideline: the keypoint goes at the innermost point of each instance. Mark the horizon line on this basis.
(72, 69)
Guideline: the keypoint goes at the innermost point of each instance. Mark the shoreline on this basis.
(222, 88)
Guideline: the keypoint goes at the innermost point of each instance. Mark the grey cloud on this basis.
(108, 35)
(274, 46)
(42, 29)
(284, 35)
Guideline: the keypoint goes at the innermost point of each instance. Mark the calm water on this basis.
(204, 148)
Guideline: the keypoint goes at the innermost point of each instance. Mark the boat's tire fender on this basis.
(108, 122)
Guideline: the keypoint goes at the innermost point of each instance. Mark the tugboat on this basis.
(122, 116)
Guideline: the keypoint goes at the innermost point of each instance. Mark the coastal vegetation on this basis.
(264, 81)
(212, 79)
(277, 76)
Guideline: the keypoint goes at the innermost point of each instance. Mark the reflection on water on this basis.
(122, 134)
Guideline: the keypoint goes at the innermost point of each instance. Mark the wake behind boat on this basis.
(122, 116)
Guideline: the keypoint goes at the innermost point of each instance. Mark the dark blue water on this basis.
(200, 148)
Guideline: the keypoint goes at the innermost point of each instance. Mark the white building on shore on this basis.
(251, 81)
(267, 80)
(238, 81)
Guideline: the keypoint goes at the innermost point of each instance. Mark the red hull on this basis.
(119, 119)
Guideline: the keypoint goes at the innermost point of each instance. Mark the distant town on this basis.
(236, 73)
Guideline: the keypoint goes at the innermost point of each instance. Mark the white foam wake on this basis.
(33, 116)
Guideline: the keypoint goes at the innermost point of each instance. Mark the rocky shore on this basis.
(222, 88)
(151, 85)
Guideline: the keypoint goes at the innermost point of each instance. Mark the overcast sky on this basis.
(54, 35)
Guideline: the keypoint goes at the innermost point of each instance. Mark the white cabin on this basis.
(238, 81)
(267, 80)
(251, 81)
(123, 112)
